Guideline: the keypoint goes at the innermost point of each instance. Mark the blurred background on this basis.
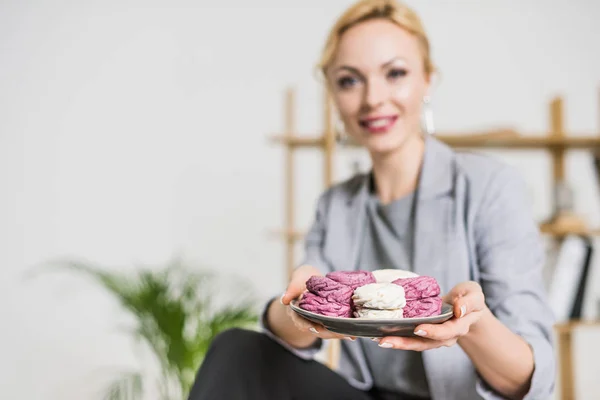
(137, 133)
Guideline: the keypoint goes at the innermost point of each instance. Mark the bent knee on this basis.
(237, 338)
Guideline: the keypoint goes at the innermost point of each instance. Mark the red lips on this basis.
(380, 124)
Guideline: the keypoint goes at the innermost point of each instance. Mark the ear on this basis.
(432, 81)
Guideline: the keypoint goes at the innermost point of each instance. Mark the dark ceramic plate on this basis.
(373, 327)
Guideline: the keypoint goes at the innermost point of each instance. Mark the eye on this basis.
(397, 73)
(346, 82)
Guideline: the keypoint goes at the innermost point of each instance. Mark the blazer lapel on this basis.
(348, 235)
(434, 211)
(438, 253)
(346, 227)
(357, 222)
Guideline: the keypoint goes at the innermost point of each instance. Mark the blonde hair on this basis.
(390, 10)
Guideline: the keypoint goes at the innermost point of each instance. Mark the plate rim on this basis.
(386, 321)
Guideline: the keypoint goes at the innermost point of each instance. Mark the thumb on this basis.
(297, 283)
(465, 297)
(460, 290)
(294, 289)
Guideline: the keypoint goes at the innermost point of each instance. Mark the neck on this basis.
(397, 173)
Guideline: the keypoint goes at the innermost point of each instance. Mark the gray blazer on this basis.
(472, 222)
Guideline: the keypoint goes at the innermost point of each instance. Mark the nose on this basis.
(375, 93)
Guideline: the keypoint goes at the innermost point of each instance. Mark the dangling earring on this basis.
(341, 137)
(428, 116)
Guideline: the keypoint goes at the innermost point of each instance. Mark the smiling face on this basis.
(377, 79)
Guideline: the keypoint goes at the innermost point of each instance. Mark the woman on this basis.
(460, 218)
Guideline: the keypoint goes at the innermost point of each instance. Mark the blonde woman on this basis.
(461, 218)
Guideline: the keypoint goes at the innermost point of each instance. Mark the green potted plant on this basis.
(176, 318)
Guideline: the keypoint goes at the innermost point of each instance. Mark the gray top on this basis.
(387, 243)
(472, 221)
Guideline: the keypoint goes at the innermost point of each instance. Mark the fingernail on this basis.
(463, 310)
(375, 339)
(385, 345)
(281, 298)
(421, 333)
(313, 330)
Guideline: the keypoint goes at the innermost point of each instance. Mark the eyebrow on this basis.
(355, 70)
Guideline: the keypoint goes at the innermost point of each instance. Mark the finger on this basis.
(450, 329)
(326, 334)
(468, 303)
(323, 333)
(317, 330)
(300, 322)
(304, 325)
(412, 343)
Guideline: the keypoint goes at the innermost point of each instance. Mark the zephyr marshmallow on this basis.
(379, 314)
(379, 296)
(390, 275)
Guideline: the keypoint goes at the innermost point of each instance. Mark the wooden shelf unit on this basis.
(556, 141)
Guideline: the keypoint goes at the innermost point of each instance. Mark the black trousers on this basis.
(247, 365)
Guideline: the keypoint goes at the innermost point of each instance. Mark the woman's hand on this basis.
(296, 287)
(468, 304)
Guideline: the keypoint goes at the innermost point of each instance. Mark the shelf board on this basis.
(294, 235)
(568, 326)
(560, 231)
(545, 228)
(506, 139)
(523, 142)
(567, 223)
(300, 141)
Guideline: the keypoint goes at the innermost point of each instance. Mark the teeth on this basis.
(378, 123)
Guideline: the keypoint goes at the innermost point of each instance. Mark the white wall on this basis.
(131, 131)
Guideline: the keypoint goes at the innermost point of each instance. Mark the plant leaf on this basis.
(126, 387)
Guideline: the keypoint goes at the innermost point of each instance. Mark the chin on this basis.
(384, 144)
